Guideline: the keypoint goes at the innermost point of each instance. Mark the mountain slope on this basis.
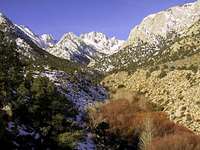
(49, 100)
(31, 52)
(71, 47)
(169, 79)
(163, 46)
(43, 42)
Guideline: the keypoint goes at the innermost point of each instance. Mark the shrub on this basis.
(123, 120)
(120, 108)
(68, 140)
(183, 141)
(153, 68)
(166, 127)
(40, 106)
(121, 86)
(193, 68)
(132, 123)
(162, 74)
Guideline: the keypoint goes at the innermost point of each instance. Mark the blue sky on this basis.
(113, 17)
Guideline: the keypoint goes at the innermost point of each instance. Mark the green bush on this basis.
(41, 106)
(162, 74)
(193, 68)
(68, 140)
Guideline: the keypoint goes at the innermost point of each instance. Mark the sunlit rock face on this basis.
(158, 25)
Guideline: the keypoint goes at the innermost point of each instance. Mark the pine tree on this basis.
(10, 69)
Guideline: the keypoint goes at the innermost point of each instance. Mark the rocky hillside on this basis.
(162, 64)
(171, 80)
(177, 91)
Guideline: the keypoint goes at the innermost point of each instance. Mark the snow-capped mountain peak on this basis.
(72, 47)
(82, 49)
(66, 37)
(41, 41)
(86, 47)
(48, 39)
(92, 36)
(70, 35)
(24, 31)
(102, 43)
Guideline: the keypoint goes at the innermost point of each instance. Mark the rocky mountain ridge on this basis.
(81, 49)
(158, 25)
(86, 47)
(44, 41)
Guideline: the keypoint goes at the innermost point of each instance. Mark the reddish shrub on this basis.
(126, 117)
(132, 117)
(181, 141)
(117, 111)
(166, 127)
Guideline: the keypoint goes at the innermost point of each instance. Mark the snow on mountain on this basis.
(31, 35)
(43, 41)
(5, 23)
(2, 18)
(82, 49)
(85, 47)
(24, 33)
(102, 43)
(72, 47)
(82, 93)
(48, 40)
(158, 25)
(27, 42)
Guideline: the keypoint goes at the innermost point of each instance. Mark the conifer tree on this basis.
(10, 69)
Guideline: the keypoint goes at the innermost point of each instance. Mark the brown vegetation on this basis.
(182, 141)
(135, 120)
